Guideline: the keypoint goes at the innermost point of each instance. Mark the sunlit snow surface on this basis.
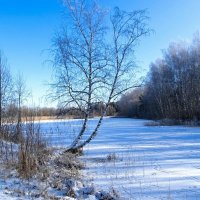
(150, 162)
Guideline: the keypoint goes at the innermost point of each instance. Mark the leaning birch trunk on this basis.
(77, 148)
(80, 135)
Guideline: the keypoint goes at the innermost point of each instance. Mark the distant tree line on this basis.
(59, 112)
(14, 97)
(96, 110)
(172, 87)
(13, 94)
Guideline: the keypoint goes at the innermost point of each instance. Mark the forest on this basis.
(171, 88)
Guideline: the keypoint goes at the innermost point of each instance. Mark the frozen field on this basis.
(139, 162)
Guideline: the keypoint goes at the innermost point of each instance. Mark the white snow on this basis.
(147, 163)
(151, 162)
(5, 196)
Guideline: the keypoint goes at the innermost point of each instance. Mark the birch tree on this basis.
(93, 59)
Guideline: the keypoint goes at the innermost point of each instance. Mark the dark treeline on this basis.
(96, 110)
(172, 88)
(60, 112)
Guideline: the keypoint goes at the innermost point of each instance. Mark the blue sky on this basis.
(28, 26)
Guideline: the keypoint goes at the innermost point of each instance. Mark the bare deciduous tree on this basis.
(6, 89)
(94, 62)
(21, 94)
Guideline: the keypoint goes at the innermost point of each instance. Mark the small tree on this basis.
(21, 94)
(6, 89)
(94, 62)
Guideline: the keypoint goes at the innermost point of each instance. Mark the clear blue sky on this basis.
(28, 26)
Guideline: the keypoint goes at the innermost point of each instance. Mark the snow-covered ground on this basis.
(148, 162)
(137, 161)
(151, 162)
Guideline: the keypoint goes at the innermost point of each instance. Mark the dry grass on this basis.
(39, 118)
(164, 122)
(31, 151)
(173, 122)
(45, 118)
(23, 148)
(70, 164)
